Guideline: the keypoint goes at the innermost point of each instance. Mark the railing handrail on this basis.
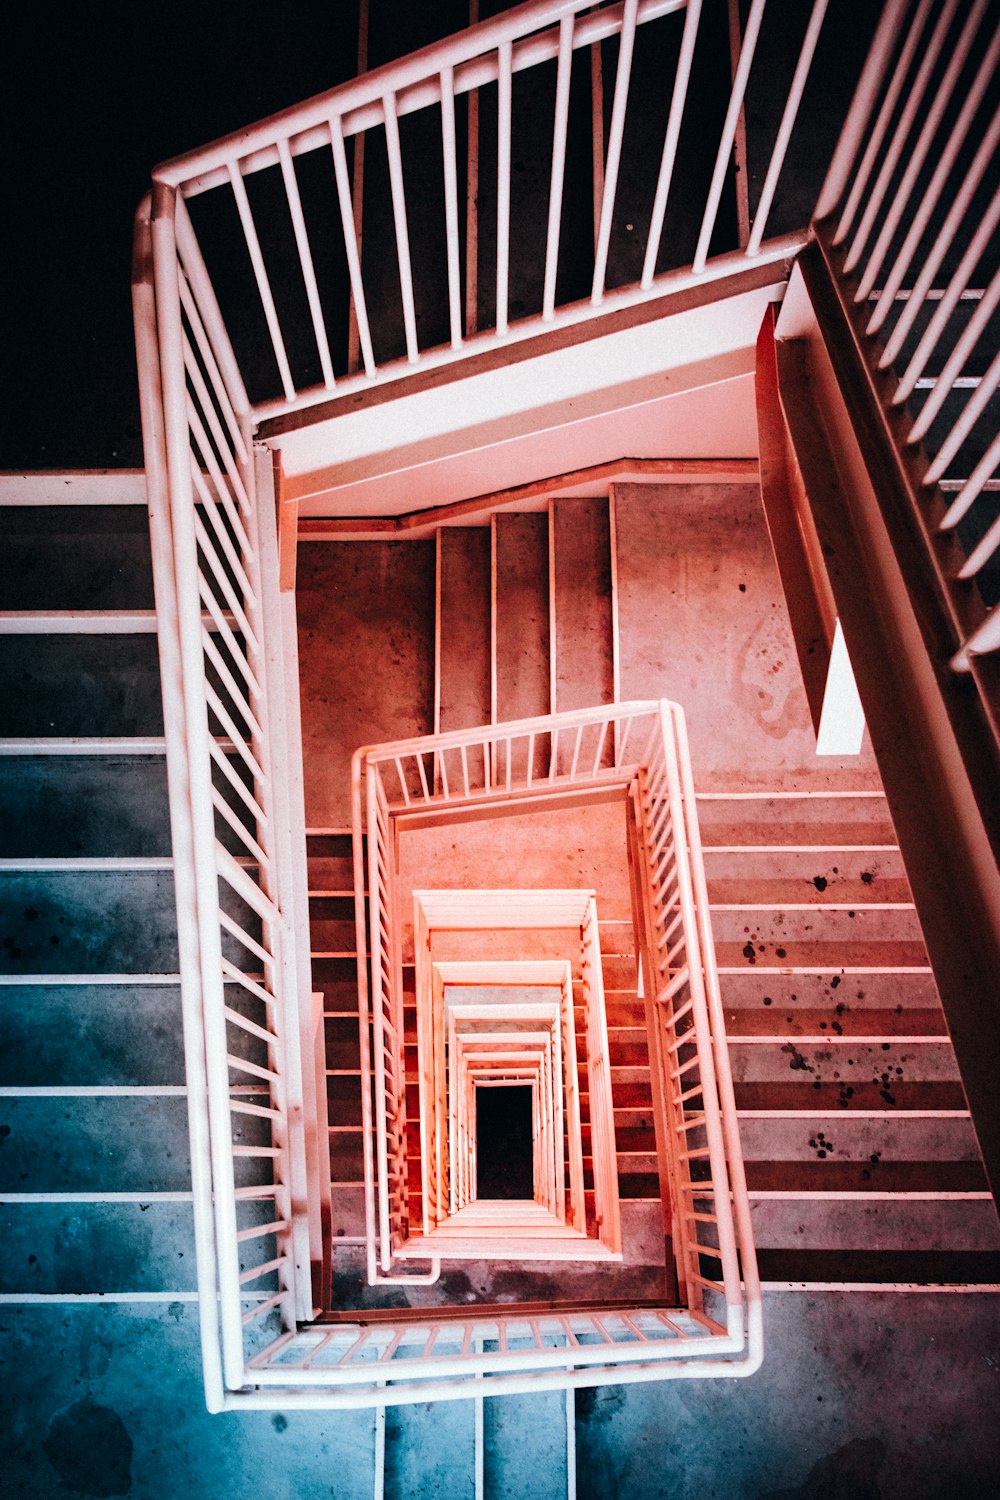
(407, 78)
(516, 41)
(453, 739)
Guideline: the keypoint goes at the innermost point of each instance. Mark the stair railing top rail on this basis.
(245, 980)
(301, 338)
(498, 762)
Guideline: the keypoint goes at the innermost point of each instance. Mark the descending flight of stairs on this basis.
(861, 1158)
(94, 1165)
(95, 1187)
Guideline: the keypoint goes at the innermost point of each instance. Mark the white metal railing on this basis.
(244, 951)
(911, 214)
(603, 1150)
(288, 276)
(640, 748)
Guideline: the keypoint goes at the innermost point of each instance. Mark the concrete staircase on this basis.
(94, 1157)
(861, 1158)
(94, 1166)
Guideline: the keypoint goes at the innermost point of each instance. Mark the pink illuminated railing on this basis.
(640, 748)
(519, 44)
(449, 1033)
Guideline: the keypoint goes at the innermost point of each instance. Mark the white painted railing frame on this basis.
(493, 51)
(259, 1172)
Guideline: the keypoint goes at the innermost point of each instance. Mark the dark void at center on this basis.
(503, 1142)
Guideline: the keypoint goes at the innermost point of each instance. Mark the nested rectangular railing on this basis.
(475, 918)
(641, 749)
(528, 976)
(297, 163)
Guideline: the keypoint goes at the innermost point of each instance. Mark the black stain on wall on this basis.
(90, 1449)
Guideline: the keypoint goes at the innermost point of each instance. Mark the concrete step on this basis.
(336, 979)
(582, 606)
(462, 691)
(98, 1145)
(820, 952)
(850, 927)
(344, 1102)
(798, 877)
(141, 1246)
(830, 1095)
(865, 1139)
(89, 805)
(91, 1035)
(342, 1042)
(905, 1267)
(872, 1224)
(521, 613)
(524, 1444)
(832, 1022)
(747, 990)
(855, 1059)
(58, 685)
(332, 924)
(430, 1451)
(90, 922)
(346, 1156)
(347, 1208)
(881, 1176)
(95, 922)
(75, 557)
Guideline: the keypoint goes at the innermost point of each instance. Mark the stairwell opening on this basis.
(503, 1141)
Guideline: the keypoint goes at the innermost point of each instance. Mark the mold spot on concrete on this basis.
(90, 1449)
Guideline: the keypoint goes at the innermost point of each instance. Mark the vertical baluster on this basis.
(351, 241)
(894, 151)
(722, 158)
(672, 136)
(917, 153)
(787, 122)
(260, 276)
(399, 222)
(942, 244)
(305, 260)
(615, 133)
(504, 63)
(451, 203)
(358, 190)
(944, 383)
(878, 66)
(472, 201)
(560, 121)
